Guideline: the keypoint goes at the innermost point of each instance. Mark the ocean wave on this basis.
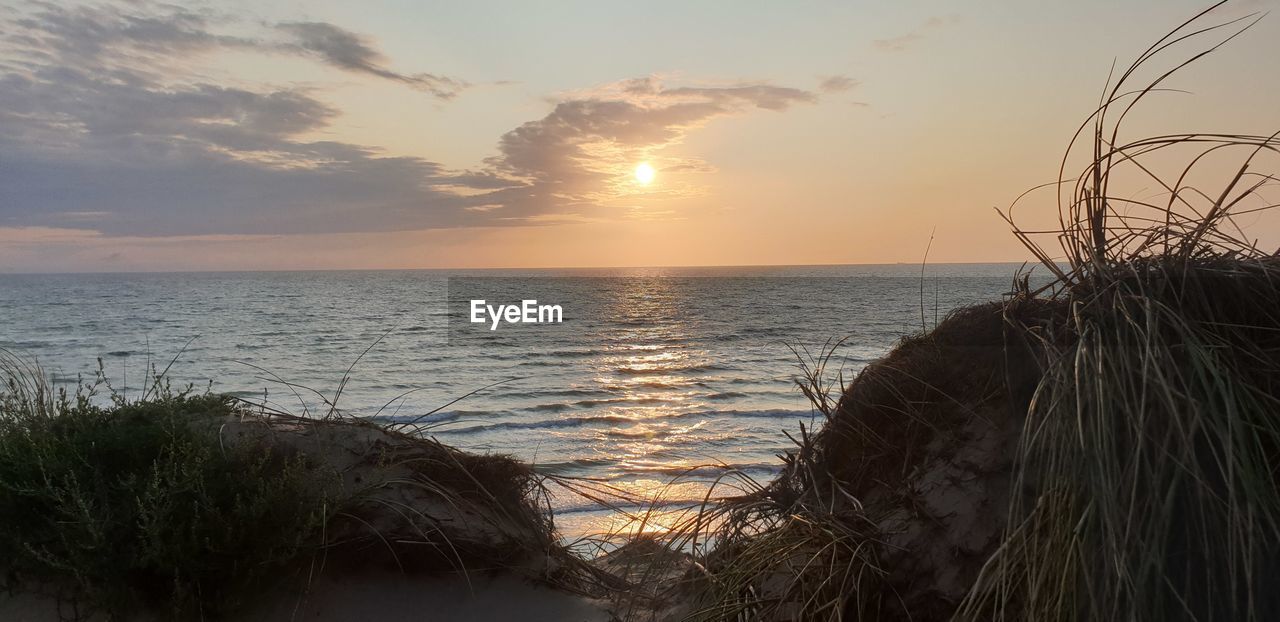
(656, 384)
(768, 413)
(581, 464)
(726, 395)
(568, 353)
(706, 470)
(584, 421)
(585, 507)
(632, 433)
(439, 418)
(641, 371)
(621, 400)
(568, 422)
(570, 393)
(556, 407)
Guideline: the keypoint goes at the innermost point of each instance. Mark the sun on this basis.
(645, 173)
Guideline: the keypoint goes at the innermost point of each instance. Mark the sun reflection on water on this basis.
(654, 366)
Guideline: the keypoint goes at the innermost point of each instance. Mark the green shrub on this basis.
(139, 506)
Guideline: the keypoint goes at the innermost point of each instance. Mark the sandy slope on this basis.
(391, 597)
(387, 597)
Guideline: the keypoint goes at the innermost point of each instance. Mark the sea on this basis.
(655, 381)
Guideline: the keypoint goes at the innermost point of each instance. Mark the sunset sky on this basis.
(321, 134)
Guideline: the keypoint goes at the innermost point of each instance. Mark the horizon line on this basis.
(508, 268)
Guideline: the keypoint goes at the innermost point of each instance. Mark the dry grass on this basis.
(1151, 443)
(1101, 448)
(1152, 450)
(191, 505)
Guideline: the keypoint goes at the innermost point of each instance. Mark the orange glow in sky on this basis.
(379, 136)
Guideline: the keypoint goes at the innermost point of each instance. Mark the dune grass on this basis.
(1132, 400)
(1153, 439)
(131, 507)
(1153, 447)
(184, 505)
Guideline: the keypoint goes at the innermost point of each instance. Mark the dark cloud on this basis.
(86, 31)
(94, 111)
(107, 37)
(147, 159)
(349, 51)
(95, 129)
(111, 36)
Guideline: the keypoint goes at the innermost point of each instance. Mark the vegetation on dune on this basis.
(1153, 442)
(1103, 447)
(1152, 447)
(192, 506)
(131, 506)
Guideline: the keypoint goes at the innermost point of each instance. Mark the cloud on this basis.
(105, 121)
(60, 106)
(96, 35)
(40, 236)
(899, 43)
(347, 50)
(583, 152)
(837, 84)
(109, 123)
(148, 157)
(906, 41)
(119, 37)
